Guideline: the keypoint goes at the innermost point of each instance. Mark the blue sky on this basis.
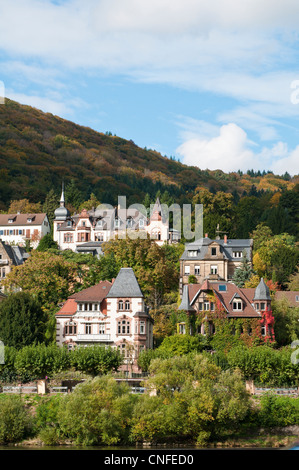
(214, 84)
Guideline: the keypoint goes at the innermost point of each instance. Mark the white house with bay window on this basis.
(108, 314)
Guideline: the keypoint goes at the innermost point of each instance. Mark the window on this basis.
(206, 305)
(187, 270)
(123, 350)
(297, 298)
(142, 328)
(263, 330)
(123, 327)
(197, 270)
(182, 328)
(120, 305)
(237, 304)
(263, 305)
(192, 253)
(70, 328)
(68, 238)
(127, 305)
(237, 254)
(200, 306)
(212, 306)
(222, 288)
(141, 223)
(80, 307)
(214, 251)
(257, 306)
(102, 328)
(88, 328)
(214, 269)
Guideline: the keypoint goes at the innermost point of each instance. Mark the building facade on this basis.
(212, 301)
(85, 232)
(111, 314)
(213, 259)
(16, 229)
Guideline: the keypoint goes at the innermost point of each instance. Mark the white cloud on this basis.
(231, 150)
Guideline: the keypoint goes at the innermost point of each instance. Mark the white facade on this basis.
(93, 316)
(15, 229)
(89, 229)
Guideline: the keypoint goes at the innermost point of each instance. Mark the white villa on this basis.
(109, 313)
(85, 232)
(15, 229)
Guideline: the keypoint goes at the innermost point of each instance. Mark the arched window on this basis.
(120, 305)
(127, 305)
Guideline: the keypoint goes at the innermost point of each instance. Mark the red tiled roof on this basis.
(94, 293)
(69, 308)
(225, 297)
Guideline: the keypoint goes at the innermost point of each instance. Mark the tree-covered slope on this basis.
(38, 150)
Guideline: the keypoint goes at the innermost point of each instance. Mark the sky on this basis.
(213, 84)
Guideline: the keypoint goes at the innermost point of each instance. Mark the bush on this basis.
(15, 420)
(277, 411)
(97, 412)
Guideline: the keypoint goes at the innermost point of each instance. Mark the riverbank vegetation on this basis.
(189, 400)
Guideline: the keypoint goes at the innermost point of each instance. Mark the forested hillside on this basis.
(38, 150)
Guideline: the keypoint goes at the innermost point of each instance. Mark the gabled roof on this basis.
(125, 285)
(21, 219)
(226, 297)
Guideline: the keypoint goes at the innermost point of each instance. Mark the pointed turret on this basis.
(185, 304)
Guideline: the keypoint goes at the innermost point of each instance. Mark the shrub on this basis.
(15, 420)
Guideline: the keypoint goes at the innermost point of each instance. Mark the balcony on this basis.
(89, 338)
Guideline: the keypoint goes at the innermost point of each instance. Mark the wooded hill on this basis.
(38, 150)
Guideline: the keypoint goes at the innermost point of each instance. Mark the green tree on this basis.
(16, 422)
(47, 276)
(47, 242)
(97, 412)
(50, 205)
(22, 320)
(243, 273)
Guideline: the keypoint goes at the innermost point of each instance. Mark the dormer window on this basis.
(214, 251)
(10, 221)
(192, 253)
(237, 305)
(29, 220)
(237, 254)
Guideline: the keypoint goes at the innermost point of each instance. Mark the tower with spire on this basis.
(61, 214)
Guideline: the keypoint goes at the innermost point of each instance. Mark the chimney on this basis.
(225, 239)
